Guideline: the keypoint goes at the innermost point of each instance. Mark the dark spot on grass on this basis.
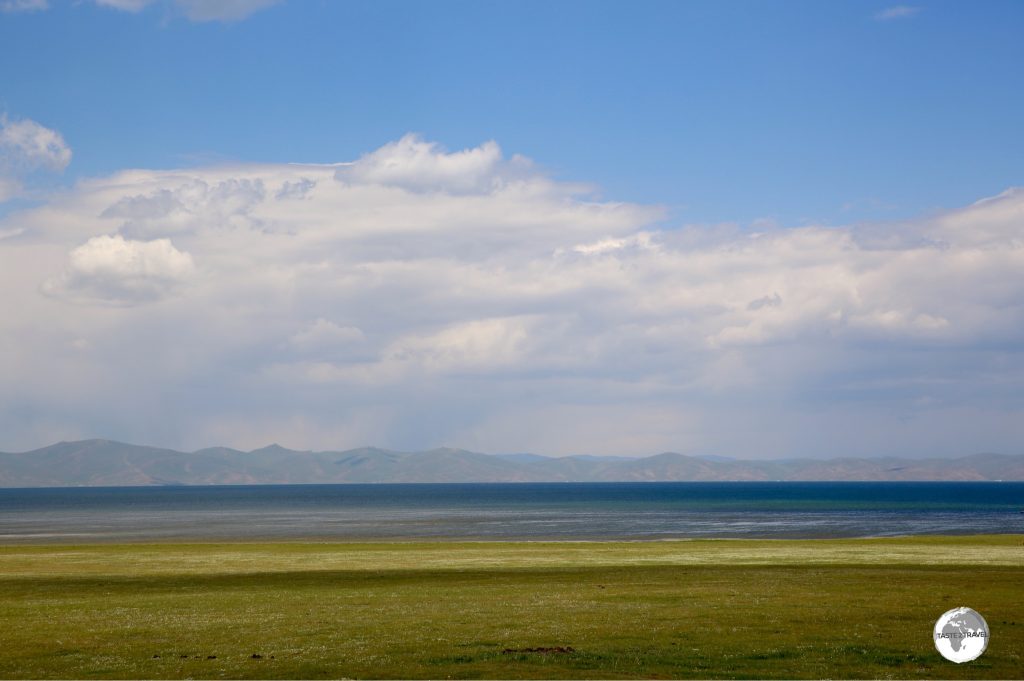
(454, 659)
(543, 650)
(781, 654)
(477, 644)
(256, 656)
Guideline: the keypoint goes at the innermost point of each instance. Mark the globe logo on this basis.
(961, 635)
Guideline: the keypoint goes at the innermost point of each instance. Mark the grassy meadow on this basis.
(708, 609)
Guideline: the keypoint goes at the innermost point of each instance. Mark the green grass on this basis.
(707, 609)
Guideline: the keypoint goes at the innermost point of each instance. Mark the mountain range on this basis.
(109, 463)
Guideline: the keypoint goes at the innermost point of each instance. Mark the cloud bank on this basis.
(417, 297)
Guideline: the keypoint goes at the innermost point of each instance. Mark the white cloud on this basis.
(298, 189)
(23, 5)
(641, 240)
(222, 10)
(24, 144)
(896, 12)
(416, 165)
(989, 223)
(189, 206)
(466, 298)
(113, 269)
(125, 5)
(480, 344)
(323, 335)
(199, 10)
(27, 147)
(774, 300)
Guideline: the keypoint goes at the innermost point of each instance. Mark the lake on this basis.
(500, 511)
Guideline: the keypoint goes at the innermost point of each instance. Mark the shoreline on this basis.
(199, 540)
(996, 550)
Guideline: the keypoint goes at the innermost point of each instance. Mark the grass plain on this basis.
(859, 608)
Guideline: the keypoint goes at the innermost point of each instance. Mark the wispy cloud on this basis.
(222, 10)
(897, 12)
(23, 5)
(125, 5)
(197, 10)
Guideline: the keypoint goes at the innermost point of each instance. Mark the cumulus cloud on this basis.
(417, 297)
(27, 144)
(25, 148)
(414, 164)
(199, 10)
(298, 189)
(190, 205)
(113, 269)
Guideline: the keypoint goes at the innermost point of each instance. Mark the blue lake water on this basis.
(563, 511)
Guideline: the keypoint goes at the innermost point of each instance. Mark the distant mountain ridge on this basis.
(109, 463)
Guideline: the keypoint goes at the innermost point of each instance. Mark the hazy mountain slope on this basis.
(104, 462)
(454, 465)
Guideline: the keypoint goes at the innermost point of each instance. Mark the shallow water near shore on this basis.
(523, 511)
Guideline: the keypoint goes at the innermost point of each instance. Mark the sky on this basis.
(761, 230)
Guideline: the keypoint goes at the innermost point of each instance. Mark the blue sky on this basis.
(796, 111)
(750, 229)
